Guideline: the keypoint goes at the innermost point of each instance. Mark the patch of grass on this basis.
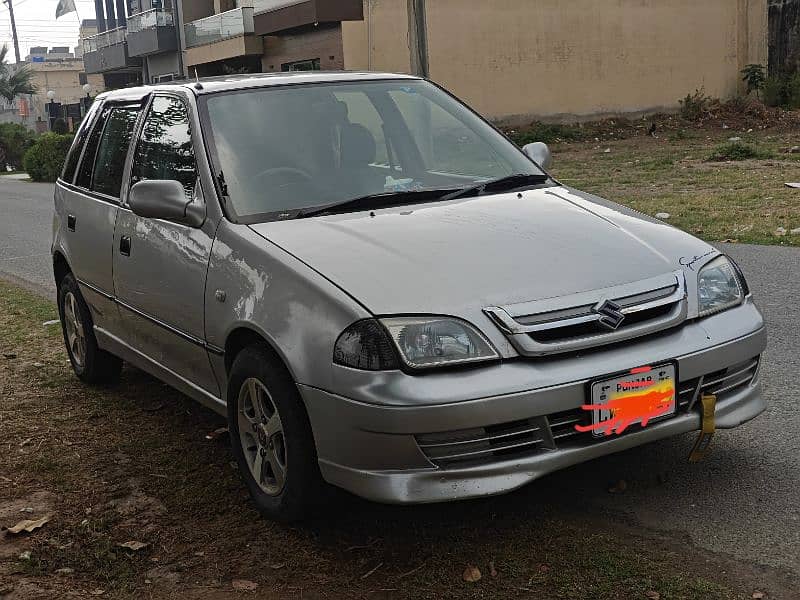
(737, 151)
(743, 200)
(549, 133)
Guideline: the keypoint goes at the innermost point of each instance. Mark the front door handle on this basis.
(125, 245)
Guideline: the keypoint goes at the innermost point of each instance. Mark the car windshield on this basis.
(290, 148)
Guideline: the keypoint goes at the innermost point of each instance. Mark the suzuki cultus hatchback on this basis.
(381, 292)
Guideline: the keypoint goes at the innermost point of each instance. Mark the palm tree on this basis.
(14, 82)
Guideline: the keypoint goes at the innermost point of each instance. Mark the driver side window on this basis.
(165, 148)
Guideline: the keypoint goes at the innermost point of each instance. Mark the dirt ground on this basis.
(134, 463)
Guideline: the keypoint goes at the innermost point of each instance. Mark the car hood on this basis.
(457, 257)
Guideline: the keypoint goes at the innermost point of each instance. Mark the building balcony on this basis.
(272, 16)
(222, 36)
(108, 51)
(152, 32)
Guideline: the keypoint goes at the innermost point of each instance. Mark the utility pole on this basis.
(10, 5)
(418, 38)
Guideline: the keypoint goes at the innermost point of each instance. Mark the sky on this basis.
(37, 25)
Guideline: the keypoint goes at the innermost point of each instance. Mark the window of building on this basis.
(112, 151)
(165, 148)
(302, 65)
(83, 79)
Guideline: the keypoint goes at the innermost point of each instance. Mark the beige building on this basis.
(517, 59)
(65, 78)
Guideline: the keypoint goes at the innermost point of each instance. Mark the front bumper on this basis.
(372, 450)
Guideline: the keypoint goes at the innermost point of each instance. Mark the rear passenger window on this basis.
(84, 178)
(71, 164)
(110, 161)
(165, 148)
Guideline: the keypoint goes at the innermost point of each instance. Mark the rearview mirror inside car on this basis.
(539, 153)
(166, 199)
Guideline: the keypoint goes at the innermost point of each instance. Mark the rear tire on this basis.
(91, 364)
(271, 437)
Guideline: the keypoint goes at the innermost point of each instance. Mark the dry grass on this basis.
(745, 201)
(132, 463)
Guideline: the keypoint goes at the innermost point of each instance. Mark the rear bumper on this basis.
(371, 450)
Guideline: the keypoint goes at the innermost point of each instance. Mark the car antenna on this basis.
(198, 85)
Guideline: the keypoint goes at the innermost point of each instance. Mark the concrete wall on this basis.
(518, 59)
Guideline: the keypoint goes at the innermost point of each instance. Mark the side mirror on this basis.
(166, 199)
(539, 153)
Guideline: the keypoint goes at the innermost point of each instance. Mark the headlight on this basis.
(420, 342)
(718, 287)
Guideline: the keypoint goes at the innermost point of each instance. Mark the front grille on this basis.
(593, 328)
(540, 434)
(484, 444)
(576, 322)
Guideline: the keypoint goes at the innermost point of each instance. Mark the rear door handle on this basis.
(71, 222)
(125, 245)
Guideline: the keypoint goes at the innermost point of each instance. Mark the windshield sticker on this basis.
(639, 397)
(690, 262)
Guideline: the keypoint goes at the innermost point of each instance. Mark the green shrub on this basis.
(546, 132)
(45, 159)
(14, 142)
(774, 92)
(793, 91)
(695, 106)
(737, 151)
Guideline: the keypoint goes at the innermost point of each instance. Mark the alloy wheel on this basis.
(262, 438)
(76, 335)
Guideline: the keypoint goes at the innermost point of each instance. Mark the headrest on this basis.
(358, 146)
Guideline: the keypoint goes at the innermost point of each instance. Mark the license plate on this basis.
(639, 397)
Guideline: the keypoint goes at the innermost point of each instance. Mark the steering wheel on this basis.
(288, 173)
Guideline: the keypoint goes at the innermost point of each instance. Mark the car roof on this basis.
(224, 83)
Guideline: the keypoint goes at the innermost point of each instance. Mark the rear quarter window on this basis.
(107, 145)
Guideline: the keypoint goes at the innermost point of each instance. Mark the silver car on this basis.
(382, 293)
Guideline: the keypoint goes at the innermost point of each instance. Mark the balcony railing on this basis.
(222, 26)
(156, 17)
(104, 40)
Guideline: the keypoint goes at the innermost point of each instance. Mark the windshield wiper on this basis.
(504, 184)
(372, 201)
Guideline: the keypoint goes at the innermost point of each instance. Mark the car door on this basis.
(159, 266)
(87, 200)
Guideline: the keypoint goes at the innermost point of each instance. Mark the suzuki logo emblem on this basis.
(611, 315)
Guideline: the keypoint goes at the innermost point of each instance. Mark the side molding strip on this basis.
(188, 337)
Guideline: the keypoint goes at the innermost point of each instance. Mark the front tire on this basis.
(91, 364)
(271, 437)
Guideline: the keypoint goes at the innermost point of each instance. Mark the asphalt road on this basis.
(744, 500)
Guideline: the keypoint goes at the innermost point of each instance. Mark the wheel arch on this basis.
(244, 336)
(60, 267)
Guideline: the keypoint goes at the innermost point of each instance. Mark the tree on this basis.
(14, 82)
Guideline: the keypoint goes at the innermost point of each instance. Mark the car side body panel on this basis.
(253, 284)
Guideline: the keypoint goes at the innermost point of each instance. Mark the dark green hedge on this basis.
(45, 159)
